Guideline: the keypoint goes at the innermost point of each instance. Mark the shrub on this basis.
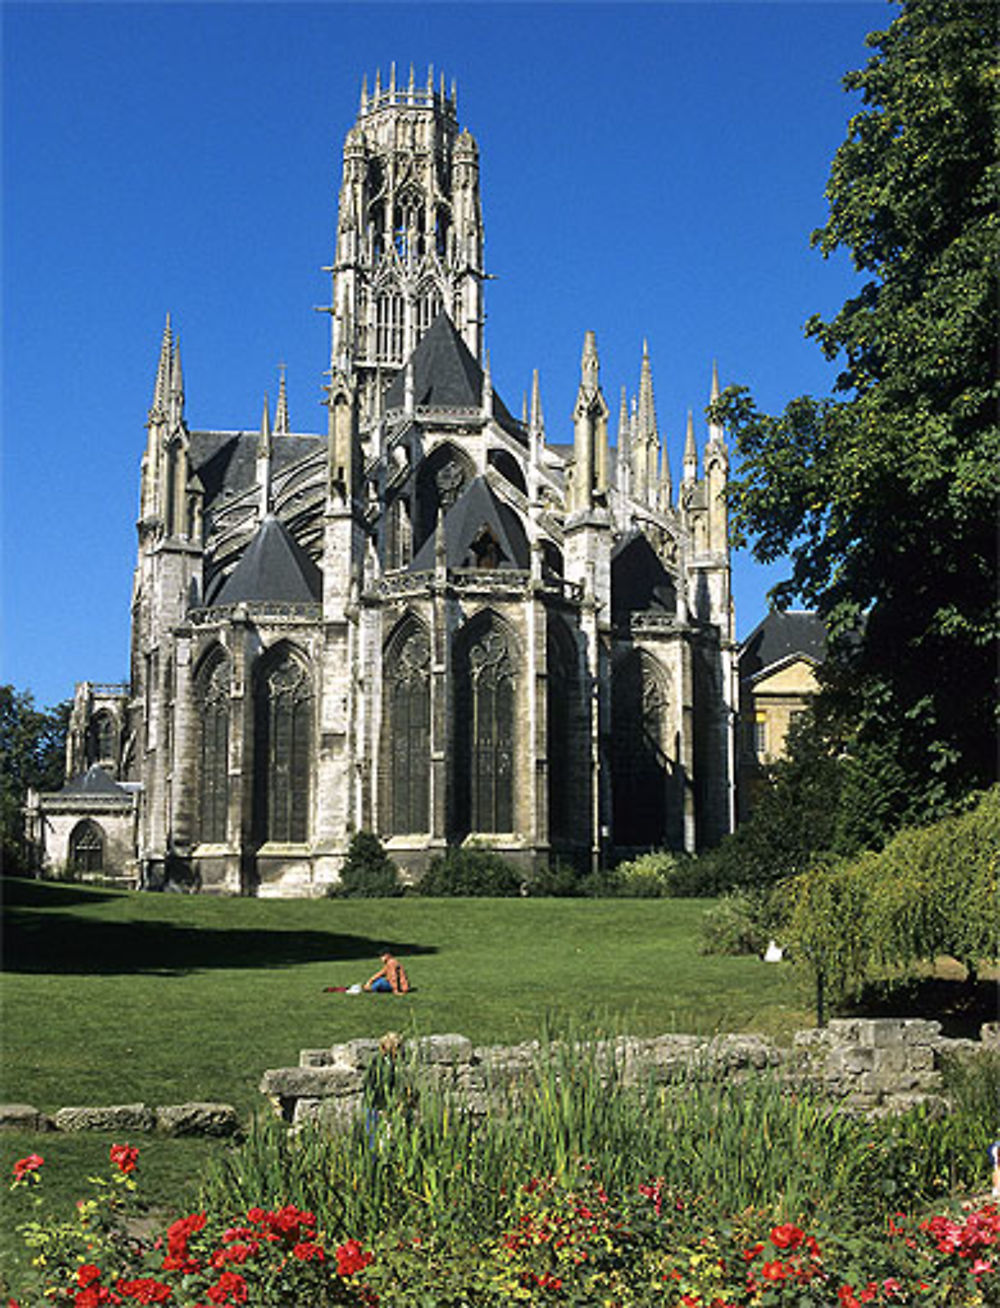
(740, 923)
(664, 874)
(367, 872)
(470, 871)
(554, 880)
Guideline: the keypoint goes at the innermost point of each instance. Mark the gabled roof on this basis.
(477, 507)
(275, 567)
(446, 375)
(780, 638)
(95, 781)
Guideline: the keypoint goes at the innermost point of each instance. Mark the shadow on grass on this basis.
(63, 942)
(959, 1006)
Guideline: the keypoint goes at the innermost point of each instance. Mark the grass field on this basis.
(116, 998)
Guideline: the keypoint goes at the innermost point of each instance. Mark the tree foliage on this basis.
(932, 891)
(884, 496)
(32, 753)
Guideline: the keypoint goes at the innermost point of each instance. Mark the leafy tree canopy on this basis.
(32, 753)
(884, 496)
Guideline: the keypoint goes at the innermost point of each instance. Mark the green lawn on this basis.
(120, 998)
(115, 998)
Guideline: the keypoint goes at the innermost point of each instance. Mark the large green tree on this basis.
(32, 753)
(883, 497)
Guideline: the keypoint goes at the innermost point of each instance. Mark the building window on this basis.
(760, 736)
(485, 733)
(282, 746)
(406, 737)
(86, 847)
(213, 702)
(639, 760)
(101, 739)
(567, 807)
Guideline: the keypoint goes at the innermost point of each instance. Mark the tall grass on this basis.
(424, 1164)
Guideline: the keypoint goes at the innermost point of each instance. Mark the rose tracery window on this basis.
(213, 777)
(282, 745)
(406, 740)
(486, 734)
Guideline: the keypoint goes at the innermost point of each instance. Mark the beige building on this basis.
(777, 665)
(432, 619)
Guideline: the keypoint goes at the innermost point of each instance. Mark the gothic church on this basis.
(432, 620)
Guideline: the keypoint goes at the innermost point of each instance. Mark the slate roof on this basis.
(446, 375)
(475, 508)
(274, 567)
(779, 637)
(227, 460)
(95, 781)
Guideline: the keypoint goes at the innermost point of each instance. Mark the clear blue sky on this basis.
(648, 171)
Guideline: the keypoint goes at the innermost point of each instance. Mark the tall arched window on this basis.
(639, 758)
(282, 750)
(101, 738)
(485, 730)
(86, 847)
(568, 803)
(213, 688)
(406, 731)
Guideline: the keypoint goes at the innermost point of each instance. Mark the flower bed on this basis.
(561, 1240)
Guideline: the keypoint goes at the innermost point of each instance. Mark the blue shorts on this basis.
(382, 986)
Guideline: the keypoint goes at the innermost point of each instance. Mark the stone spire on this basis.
(716, 436)
(647, 441)
(690, 453)
(281, 427)
(176, 403)
(164, 370)
(264, 451)
(590, 433)
(624, 445)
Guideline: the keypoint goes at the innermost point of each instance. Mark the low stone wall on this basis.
(865, 1066)
(202, 1119)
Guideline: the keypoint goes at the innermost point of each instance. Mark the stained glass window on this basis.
(213, 704)
(282, 745)
(639, 763)
(485, 733)
(406, 739)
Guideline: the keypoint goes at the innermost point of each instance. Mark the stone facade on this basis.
(432, 620)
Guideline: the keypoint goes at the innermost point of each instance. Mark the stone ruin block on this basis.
(202, 1119)
(24, 1117)
(114, 1117)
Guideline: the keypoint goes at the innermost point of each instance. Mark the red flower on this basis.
(24, 1166)
(307, 1252)
(787, 1236)
(846, 1296)
(230, 1287)
(774, 1271)
(145, 1290)
(87, 1274)
(352, 1258)
(124, 1157)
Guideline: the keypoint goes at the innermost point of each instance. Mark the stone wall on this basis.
(865, 1066)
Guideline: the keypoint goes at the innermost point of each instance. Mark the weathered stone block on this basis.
(23, 1117)
(115, 1117)
(447, 1049)
(316, 1058)
(312, 1082)
(208, 1119)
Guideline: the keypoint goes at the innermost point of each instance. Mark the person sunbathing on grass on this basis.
(390, 978)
